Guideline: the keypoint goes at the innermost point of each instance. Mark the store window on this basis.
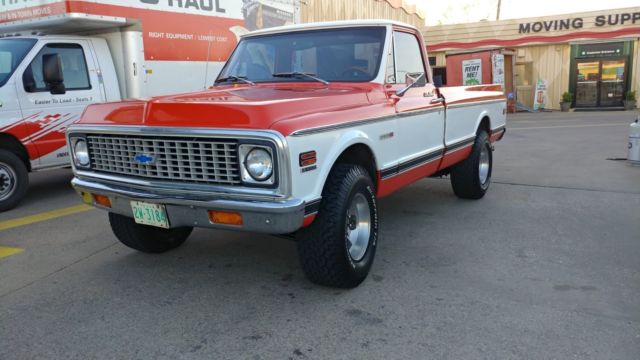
(524, 75)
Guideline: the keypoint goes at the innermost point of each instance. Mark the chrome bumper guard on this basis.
(270, 217)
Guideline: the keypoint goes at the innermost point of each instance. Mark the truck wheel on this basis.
(470, 178)
(145, 238)
(14, 180)
(338, 248)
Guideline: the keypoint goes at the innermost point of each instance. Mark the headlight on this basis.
(81, 153)
(259, 164)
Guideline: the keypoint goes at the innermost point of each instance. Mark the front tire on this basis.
(338, 248)
(148, 239)
(471, 178)
(14, 180)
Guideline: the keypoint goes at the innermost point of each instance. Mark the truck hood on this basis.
(237, 107)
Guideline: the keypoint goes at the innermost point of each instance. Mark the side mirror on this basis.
(412, 80)
(52, 73)
(419, 79)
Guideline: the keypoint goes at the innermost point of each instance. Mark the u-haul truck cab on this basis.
(58, 56)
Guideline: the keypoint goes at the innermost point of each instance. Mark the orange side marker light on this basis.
(102, 200)
(225, 217)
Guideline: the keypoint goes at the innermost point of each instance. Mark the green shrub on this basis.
(631, 95)
(567, 97)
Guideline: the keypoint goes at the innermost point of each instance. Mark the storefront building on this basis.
(594, 56)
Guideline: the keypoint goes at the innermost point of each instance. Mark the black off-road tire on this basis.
(148, 239)
(323, 247)
(465, 176)
(14, 178)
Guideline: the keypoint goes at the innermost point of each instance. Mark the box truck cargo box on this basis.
(57, 57)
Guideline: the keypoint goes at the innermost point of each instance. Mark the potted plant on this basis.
(630, 100)
(565, 103)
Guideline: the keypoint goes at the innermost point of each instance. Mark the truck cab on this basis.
(35, 111)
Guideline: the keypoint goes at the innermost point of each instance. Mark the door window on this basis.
(408, 57)
(74, 68)
(612, 82)
(588, 74)
(12, 51)
(391, 68)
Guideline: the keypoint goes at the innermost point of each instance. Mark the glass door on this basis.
(588, 76)
(600, 82)
(612, 82)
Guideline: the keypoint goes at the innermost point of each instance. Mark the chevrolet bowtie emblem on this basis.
(144, 159)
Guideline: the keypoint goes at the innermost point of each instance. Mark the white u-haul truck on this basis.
(58, 56)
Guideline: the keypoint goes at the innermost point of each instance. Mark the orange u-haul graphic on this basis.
(134, 49)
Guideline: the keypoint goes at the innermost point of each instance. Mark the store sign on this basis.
(540, 95)
(497, 67)
(601, 50)
(577, 23)
(472, 72)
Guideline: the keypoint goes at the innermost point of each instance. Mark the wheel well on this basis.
(485, 124)
(10, 143)
(359, 154)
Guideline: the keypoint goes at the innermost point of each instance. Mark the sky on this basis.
(460, 11)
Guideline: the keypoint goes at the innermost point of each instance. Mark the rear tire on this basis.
(14, 180)
(338, 248)
(471, 178)
(148, 239)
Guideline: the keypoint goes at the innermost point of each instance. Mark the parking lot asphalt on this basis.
(546, 266)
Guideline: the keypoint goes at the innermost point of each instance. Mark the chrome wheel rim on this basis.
(7, 181)
(484, 166)
(358, 227)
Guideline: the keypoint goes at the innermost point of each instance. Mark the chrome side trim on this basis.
(326, 128)
(474, 103)
(459, 144)
(282, 191)
(411, 164)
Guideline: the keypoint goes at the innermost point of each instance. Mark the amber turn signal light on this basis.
(307, 158)
(225, 217)
(102, 200)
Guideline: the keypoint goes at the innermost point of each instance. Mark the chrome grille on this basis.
(189, 160)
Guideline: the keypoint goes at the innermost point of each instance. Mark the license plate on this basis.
(150, 214)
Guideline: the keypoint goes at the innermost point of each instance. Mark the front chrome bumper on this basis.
(271, 217)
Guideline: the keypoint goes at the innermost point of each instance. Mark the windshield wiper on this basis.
(300, 74)
(235, 79)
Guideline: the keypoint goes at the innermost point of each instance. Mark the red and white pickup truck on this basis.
(305, 128)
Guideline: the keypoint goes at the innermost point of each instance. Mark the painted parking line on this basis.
(8, 251)
(8, 224)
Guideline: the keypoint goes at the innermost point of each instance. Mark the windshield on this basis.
(12, 51)
(351, 55)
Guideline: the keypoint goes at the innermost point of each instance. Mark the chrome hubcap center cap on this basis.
(352, 222)
(358, 227)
